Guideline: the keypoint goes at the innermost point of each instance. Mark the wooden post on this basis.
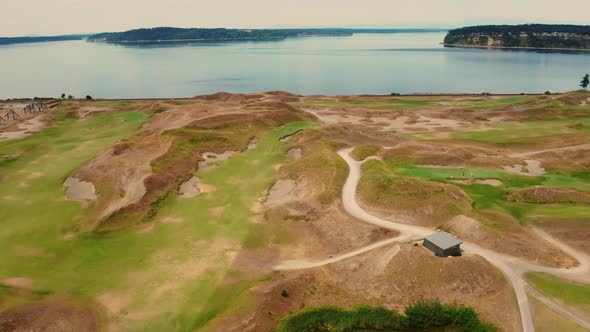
(11, 115)
(2, 121)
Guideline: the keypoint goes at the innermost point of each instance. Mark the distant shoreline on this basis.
(517, 48)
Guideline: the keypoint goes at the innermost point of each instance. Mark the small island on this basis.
(526, 36)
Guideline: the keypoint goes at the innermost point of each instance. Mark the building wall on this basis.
(434, 248)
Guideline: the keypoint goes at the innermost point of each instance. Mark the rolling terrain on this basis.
(229, 212)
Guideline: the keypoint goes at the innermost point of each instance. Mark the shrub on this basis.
(284, 293)
(422, 316)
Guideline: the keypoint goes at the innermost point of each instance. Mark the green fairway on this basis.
(569, 292)
(160, 267)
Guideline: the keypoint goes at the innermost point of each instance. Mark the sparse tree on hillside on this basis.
(63, 96)
(585, 81)
(88, 97)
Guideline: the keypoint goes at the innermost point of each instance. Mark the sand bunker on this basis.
(489, 182)
(23, 283)
(26, 128)
(190, 188)
(532, 168)
(80, 191)
(280, 193)
(294, 154)
(253, 143)
(211, 159)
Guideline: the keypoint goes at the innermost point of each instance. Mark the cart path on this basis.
(531, 153)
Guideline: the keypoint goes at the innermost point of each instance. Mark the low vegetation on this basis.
(422, 316)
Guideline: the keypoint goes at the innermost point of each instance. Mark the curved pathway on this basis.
(513, 268)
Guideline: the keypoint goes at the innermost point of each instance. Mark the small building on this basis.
(443, 244)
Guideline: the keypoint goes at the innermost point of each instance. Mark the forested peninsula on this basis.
(527, 36)
(202, 34)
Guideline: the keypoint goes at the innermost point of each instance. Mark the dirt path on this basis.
(301, 265)
(530, 153)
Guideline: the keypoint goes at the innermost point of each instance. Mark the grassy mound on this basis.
(362, 152)
(422, 316)
(544, 195)
(321, 166)
(382, 188)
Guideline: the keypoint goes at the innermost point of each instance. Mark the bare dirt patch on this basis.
(531, 168)
(19, 282)
(489, 182)
(294, 154)
(212, 159)
(50, 316)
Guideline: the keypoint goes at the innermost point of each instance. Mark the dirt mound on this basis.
(50, 316)
(574, 232)
(540, 194)
(574, 98)
(512, 240)
(443, 155)
(391, 278)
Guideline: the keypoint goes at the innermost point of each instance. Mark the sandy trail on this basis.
(301, 265)
(530, 153)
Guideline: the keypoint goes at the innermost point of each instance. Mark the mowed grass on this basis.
(563, 290)
(163, 277)
(489, 197)
(34, 214)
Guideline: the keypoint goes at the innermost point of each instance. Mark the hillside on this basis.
(522, 36)
(276, 211)
(166, 34)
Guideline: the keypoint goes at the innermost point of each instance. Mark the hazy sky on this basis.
(23, 17)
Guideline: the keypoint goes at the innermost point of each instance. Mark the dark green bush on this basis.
(422, 316)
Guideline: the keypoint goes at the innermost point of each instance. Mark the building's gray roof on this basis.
(443, 240)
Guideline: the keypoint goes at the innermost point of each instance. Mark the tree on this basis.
(585, 81)
(63, 96)
(88, 97)
(70, 97)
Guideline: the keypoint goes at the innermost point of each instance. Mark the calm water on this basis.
(361, 64)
